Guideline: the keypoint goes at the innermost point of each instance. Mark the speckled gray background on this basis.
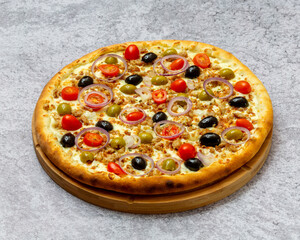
(37, 39)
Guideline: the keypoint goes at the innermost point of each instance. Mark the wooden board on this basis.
(160, 203)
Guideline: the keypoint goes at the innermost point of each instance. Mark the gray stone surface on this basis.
(38, 38)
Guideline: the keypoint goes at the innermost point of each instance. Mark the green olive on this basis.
(159, 80)
(117, 143)
(145, 137)
(170, 51)
(182, 103)
(128, 89)
(169, 165)
(64, 108)
(111, 60)
(86, 156)
(227, 73)
(235, 134)
(204, 96)
(113, 110)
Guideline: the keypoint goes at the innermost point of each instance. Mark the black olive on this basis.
(159, 116)
(85, 81)
(106, 125)
(239, 102)
(134, 79)
(210, 139)
(193, 164)
(207, 122)
(149, 57)
(68, 140)
(192, 72)
(138, 163)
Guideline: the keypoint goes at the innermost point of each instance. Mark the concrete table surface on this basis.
(38, 38)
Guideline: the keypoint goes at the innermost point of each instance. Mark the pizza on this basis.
(153, 117)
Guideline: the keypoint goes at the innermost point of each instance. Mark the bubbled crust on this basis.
(154, 184)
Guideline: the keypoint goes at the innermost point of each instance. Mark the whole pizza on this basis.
(153, 117)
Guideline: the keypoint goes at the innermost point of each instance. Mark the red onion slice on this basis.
(95, 105)
(91, 105)
(132, 141)
(147, 81)
(216, 79)
(144, 93)
(169, 71)
(190, 84)
(176, 99)
(124, 120)
(206, 160)
(92, 129)
(245, 130)
(137, 155)
(105, 56)
(166, 171)
(171, 123)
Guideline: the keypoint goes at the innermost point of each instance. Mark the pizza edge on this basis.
(154, 184)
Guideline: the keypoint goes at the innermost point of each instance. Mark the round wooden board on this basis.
(158, 203)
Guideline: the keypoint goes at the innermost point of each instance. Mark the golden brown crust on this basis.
(154, 184)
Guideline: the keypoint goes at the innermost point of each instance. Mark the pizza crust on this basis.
(154, 184)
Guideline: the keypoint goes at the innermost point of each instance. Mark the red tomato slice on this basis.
(178, 85)
(244, 123)
(95, 98)
(70, 123)
(187, 151)
(132, 52)
(109, 70)
(177, 64)
(134, 116)
(170, 131)
(92, 139)
(243, 87)
(69, 93)
(159, 96)
(201, 60)
(115, 168)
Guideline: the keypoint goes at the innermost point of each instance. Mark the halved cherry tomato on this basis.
(92, 139)
(178, 85)
(242, 87)
(115, 168)
(201, 60)
(177, 64)
(244, 123)
(187, 151)
(159, 96)
(109, 70)
(170, 131)
(69, 93)
(70, 123)
(95, 98)
(132, 52)
(134, 116)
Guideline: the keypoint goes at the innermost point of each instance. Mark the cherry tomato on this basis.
(178, 85)
(187, 151)
(115, 168)
(109, 70)
(69, 93)
(134, 116)
(244, 123)
(242, 87)
(71, 123)
(177, 64)
(170, 131)
(92, 139)
(132, 52)
(201, 60)
(159, 96)
(95, 98)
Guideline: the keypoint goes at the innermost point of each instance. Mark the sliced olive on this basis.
(159, 116)
(203, 96)
(64, 108)
(193, 164)
(138, 163)
(106, 125)
(192, 72)
(145, 137)
(210, 139)
(159, 80)
(68, 140)
(169, 165)
(111, 60)
(208, 122)
(128, 89)
(85, 81)
(86, 156)
(182, 103)
(227, 73)
(239, 102)
(170, 51)
(117, 143)
(113, 110)
(134, 79)
(235, 134)
(149, 57)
